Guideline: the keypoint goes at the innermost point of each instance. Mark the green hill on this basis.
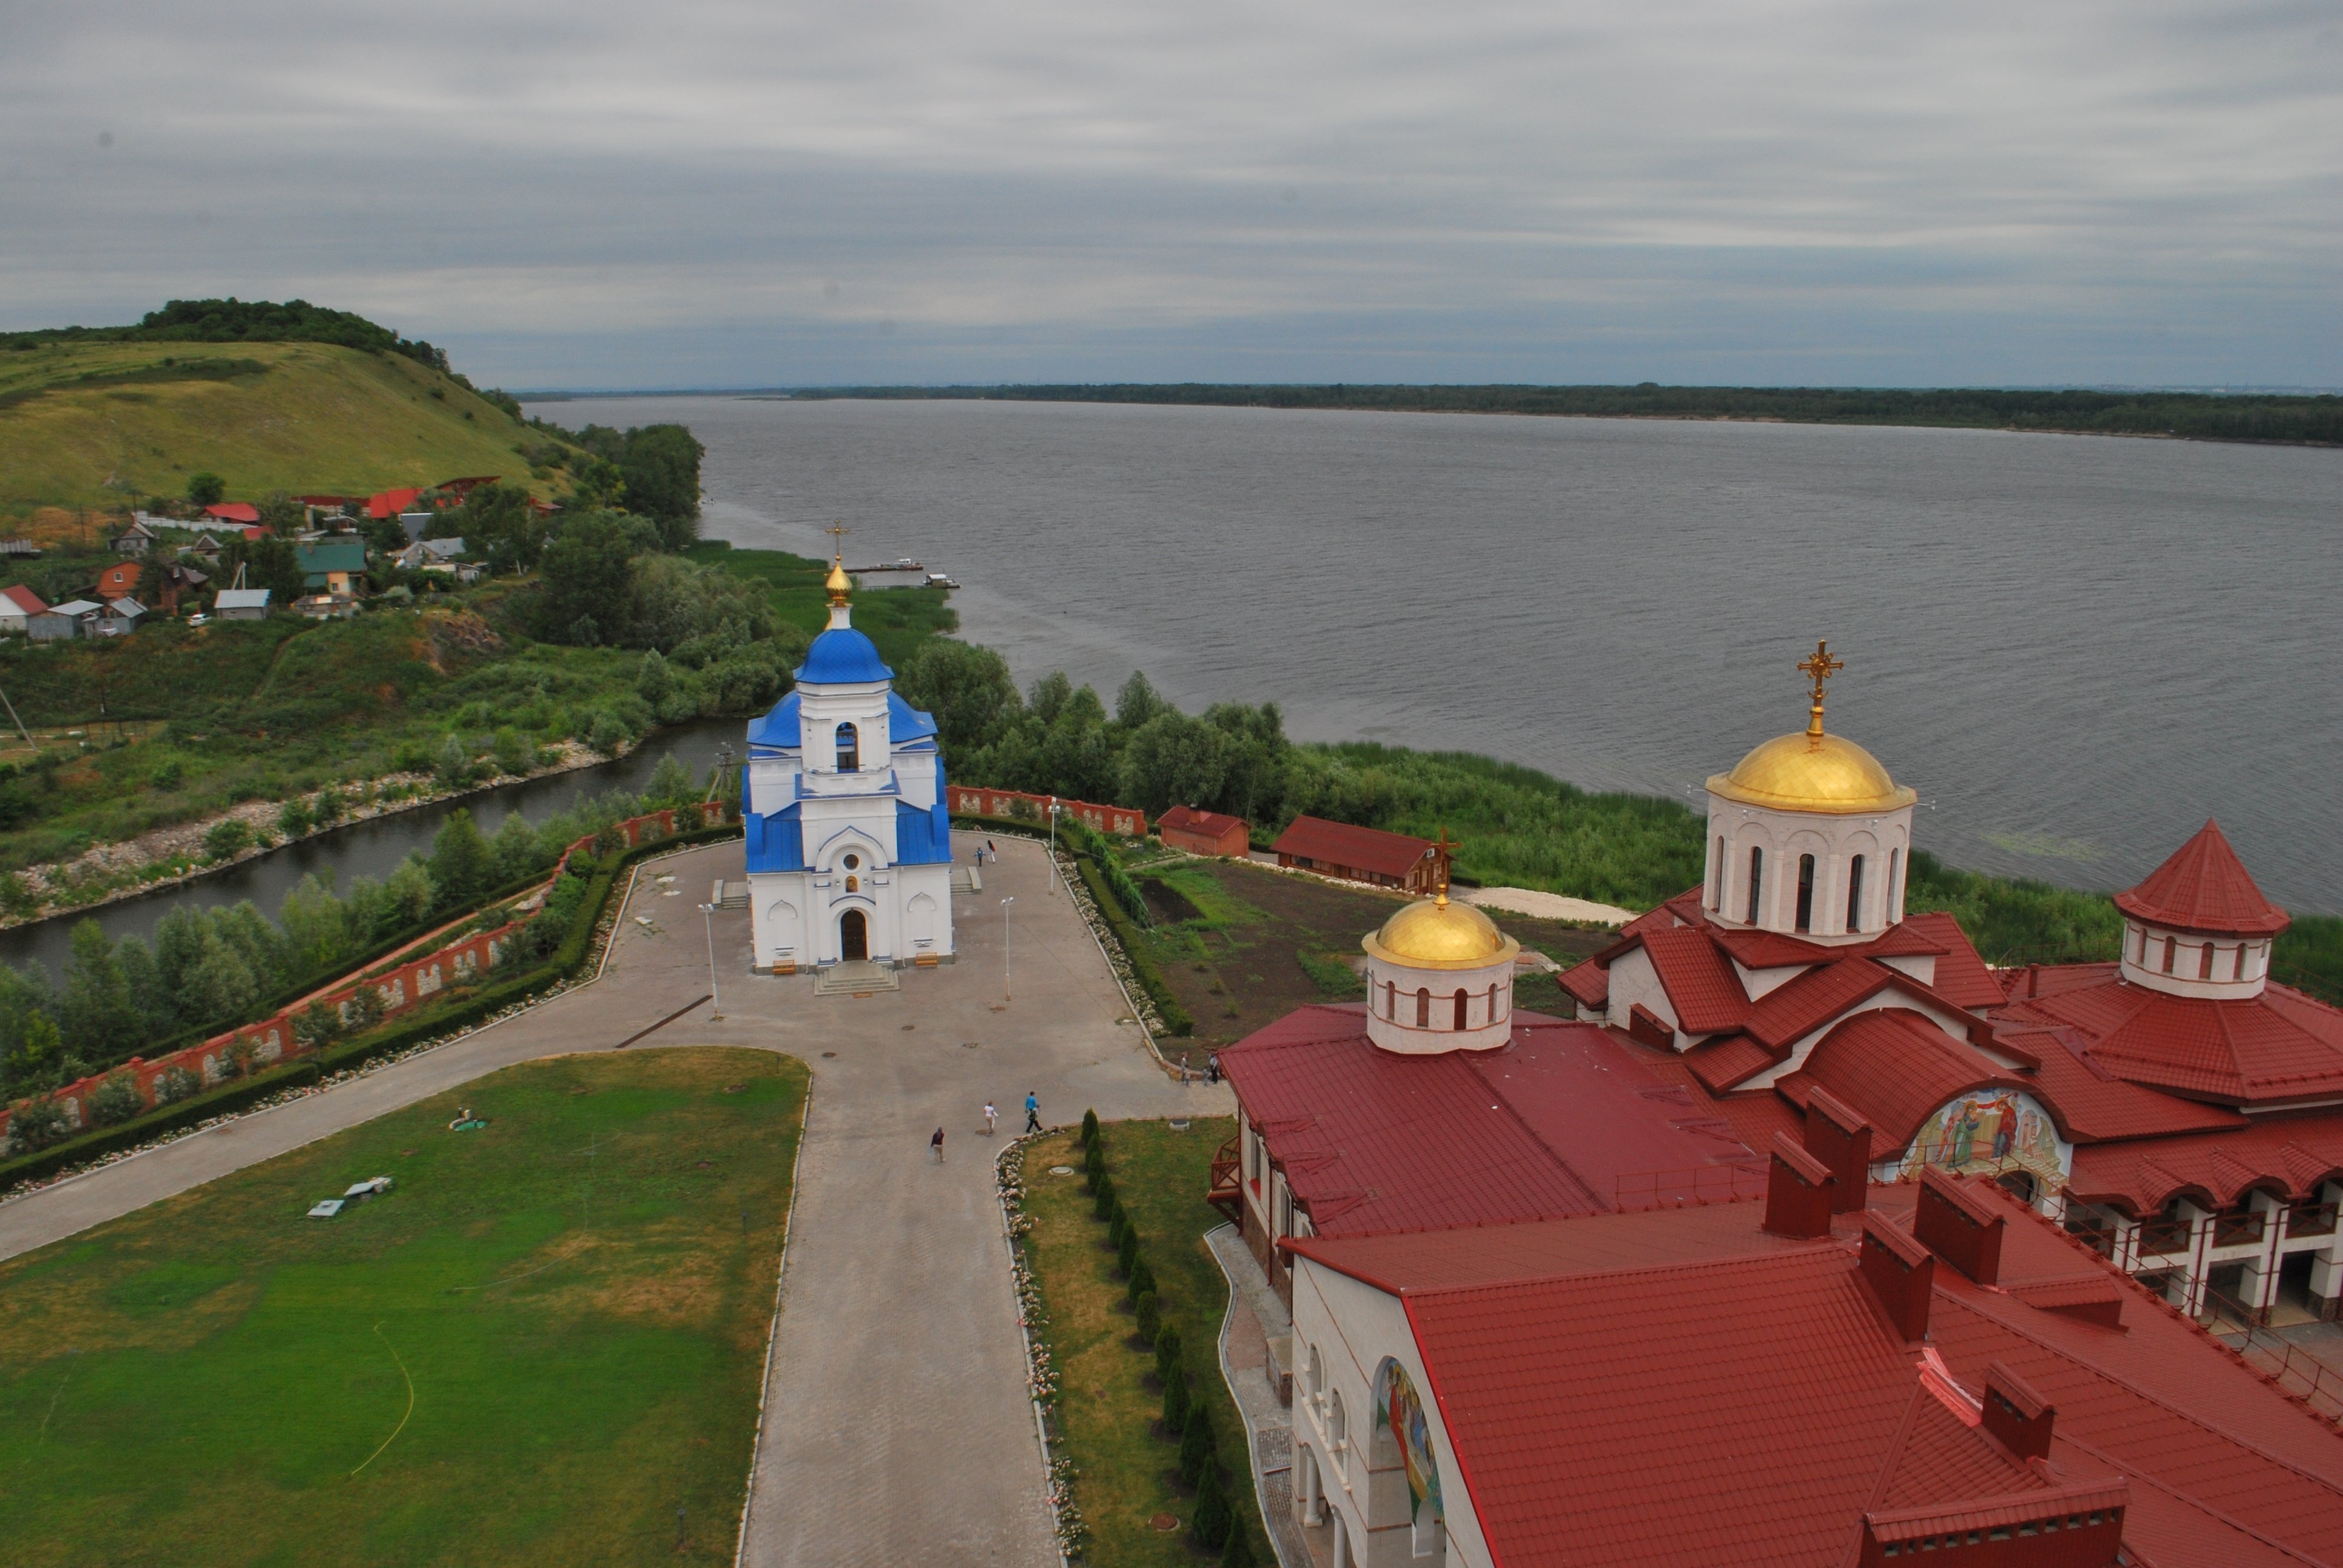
(90, 422)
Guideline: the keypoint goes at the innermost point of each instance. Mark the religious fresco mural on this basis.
(1402, 1414)
(1990, 1130)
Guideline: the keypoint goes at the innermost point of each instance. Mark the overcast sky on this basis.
(773, 192)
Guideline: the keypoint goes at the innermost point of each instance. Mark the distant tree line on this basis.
(247, 321)
(2293, 419)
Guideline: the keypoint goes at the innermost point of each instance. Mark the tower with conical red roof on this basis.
(2198, 926)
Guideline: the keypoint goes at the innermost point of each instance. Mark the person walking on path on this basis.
(1213, 1068)
(993, 850)
(937, 1143)
(991, 1118)
(1033, 1112)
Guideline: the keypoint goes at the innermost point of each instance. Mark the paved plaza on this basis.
(896, 1425)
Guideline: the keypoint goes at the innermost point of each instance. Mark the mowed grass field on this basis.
(540, 1346)
(1109, 1406)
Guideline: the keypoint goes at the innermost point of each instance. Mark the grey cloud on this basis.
(593, 195)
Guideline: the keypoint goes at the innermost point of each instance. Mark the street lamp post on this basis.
(1054, 847)
(708, 918)
(1005, 988)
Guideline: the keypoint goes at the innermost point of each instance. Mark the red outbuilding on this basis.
(1203, 833)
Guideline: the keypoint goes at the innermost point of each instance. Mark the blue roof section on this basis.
(922, 838)
(905, 723)
(776, 842)
(842, 657)
(778, 728)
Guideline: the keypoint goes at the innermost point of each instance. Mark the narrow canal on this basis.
(376, 847)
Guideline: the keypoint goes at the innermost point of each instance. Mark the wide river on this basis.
(2075, 648)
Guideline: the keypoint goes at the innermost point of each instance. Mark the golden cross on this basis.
(1444, 849)
(1819, 667)
(838, 532)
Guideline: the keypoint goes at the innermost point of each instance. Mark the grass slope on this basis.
(582, 1331)
(91, 423)
(1110, 1402)
(896, 619)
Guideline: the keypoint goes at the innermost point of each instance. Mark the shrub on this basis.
(1149, 1319)
(1126, 1251)
(1094, 1168)
(1168, 1365)
(366, 1007)
(1142, 1277)
(1214, 1519)
(1239, 1551)
(293, 819)
(607, 735)
(1104, 1208)
(319, 1026)
(1175, 1403)
(1089, 1130)
(1118, 1221)
(229, 838)
(176, 1084)
(114, 1102)
(36, 1124)
(1196, 1451)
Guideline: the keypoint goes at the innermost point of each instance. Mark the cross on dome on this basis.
(1819, 667)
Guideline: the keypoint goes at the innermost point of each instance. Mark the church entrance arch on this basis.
(853, 937)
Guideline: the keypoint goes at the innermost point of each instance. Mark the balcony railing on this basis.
(2160, 1238)
(2310, 1220)
(1223, 1193)
(2239, 1230)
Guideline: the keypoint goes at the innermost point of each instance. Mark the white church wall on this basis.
(1834, 840)
(1635, 981)
(2143, 963)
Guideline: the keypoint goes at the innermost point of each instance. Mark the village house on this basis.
(134, 540)
(1203, 833)
(17, 605)
(241, 604)
(121, 619)
(335, 566)
(326, 606)
(243, 512)
(63, 622)
(1357, 854)
(119, 581)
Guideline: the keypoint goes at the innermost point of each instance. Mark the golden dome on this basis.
(838, 583)
(1436, 934)
(1813, 772)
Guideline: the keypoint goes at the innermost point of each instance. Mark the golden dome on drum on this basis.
(1436, 934)
(838, 583)
(1811, 772)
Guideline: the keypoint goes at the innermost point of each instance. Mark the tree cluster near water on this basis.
(2289, 417)
(211, 968)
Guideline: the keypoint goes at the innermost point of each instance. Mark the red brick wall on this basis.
(968, 800)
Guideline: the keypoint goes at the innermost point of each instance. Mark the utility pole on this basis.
(1005, 989)
(1054, 847)
(708, 919)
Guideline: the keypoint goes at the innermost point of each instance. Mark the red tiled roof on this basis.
(1960, 976)
(1213, 823)
(1361, 849)
(1729, 1061)
(2277, 1047)
(1787, 1013)
(1772, 950)
(24, 599)
(2093, 1104)
(1743, 1410)
(1700, 980)
(390, 503)
(1896, 1066)
(2292, 1154)
(1590, 983)
(234, 512)
(2204, 887)
(1373, 1141)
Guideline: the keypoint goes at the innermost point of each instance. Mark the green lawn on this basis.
(897, 619)
(1110, 1405)
(536, 1349)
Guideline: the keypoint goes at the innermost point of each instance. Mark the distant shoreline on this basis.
(2254, 417)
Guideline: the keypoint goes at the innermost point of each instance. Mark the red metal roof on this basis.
(1361, 849)
(1699, 979)
(1590, 983)
(234, 512)
(2288, 1154)
(2273, 1048)
(390, 503)
(1213, 823)
(1896, 1066)
(1960, 976)
(2091, 1103)
(1729, 1061)
(2204, 887)
(1549, 1124)
(24, 599)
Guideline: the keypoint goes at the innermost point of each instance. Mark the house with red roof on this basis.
(1203, 833)
(233, 512)
(1357, 854)
(18, 605)
(1812, 1239)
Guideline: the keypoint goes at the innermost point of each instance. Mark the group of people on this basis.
(992, 1122)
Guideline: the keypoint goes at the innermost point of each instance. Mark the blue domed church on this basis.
(850, 845)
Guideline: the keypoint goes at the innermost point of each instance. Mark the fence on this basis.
(275, 1039)
(968, 800)
(1637, 1191)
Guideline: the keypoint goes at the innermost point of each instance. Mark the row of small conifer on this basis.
(1216, 1523)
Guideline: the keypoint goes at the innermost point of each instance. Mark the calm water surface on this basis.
(2075, 648)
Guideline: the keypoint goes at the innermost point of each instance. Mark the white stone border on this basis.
(1067, 1527)
(773, 1329)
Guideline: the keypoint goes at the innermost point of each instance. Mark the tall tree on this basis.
(966, 688)
(1137, 702)
(584, 599)
(460, 863)
(98, 1018)
(661, 464)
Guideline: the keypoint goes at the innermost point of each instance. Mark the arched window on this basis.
(1424, 1008)
(2139, 955)
(849, 749)
(2171, 951)
(1806, 892)
(1895, 909)
(1459, 1024)
(1757, 879)
(2239, 971)
(1492, 1003)
(1855, 894)
(1391, 1001)
(2205, 962)
(1338, 1422)
(1717, 875)
(1317, 1374)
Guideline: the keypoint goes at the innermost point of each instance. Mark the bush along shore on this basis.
(541, 943)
